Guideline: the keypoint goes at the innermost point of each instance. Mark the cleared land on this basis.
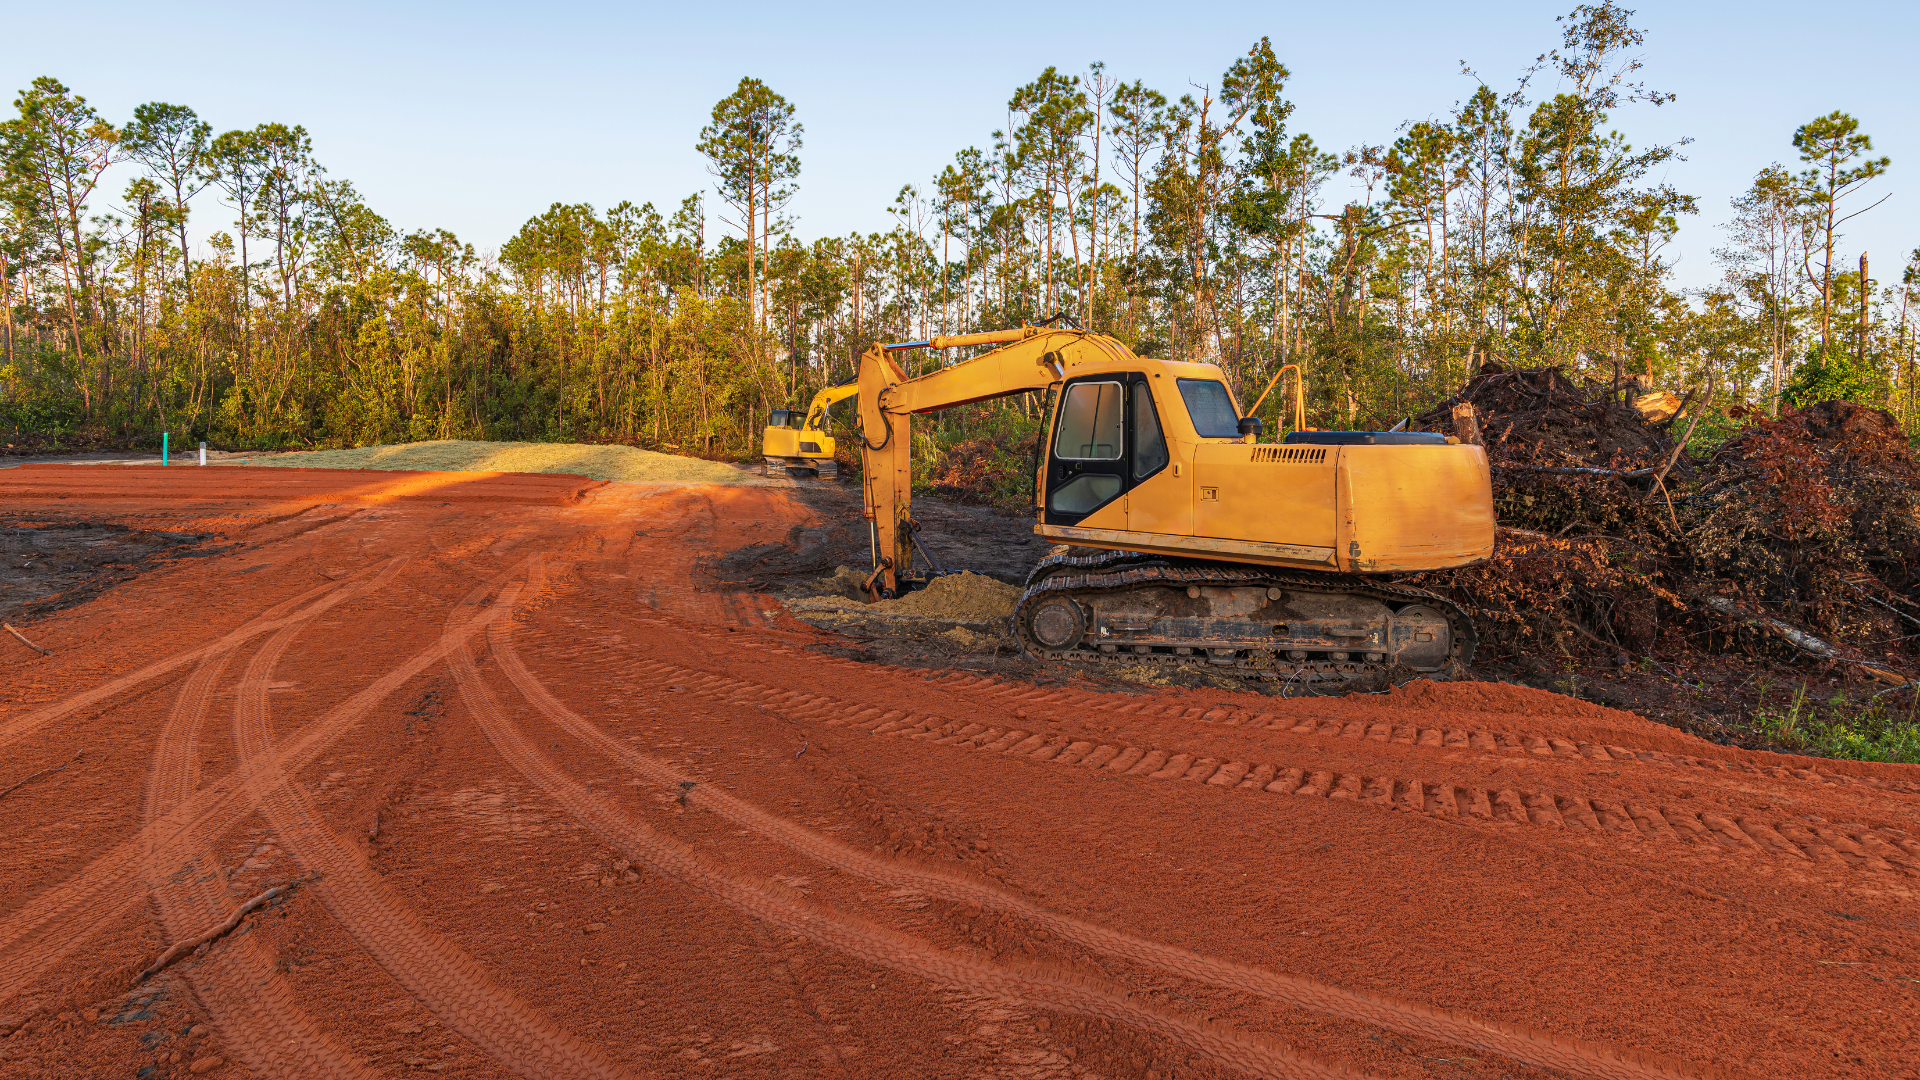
(551, 791)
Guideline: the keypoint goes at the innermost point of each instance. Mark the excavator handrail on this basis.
(1299, 395)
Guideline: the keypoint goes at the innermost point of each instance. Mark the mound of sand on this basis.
(964, 596)
(460, 455)
(964, 599)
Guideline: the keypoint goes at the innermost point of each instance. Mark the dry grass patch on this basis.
(574, 459)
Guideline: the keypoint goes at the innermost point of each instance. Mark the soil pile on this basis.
(965, 595)
(957, 600)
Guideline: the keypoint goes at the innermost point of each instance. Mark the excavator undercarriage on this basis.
(1333, 630)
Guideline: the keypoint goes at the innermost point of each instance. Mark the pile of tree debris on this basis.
(1795, 540)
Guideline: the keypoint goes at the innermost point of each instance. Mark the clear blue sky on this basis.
(473, 117)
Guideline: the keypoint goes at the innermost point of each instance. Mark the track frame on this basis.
(1074, 576)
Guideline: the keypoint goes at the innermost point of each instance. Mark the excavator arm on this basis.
(826, 399)
(1030, 358)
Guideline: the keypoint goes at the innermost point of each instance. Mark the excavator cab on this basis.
(1155, 455)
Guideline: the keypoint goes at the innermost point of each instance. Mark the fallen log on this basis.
(1800, 639)
(1581, 470)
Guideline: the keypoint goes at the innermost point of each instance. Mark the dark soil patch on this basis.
(49, 565)
(976, 538)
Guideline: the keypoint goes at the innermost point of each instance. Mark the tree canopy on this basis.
(1519, 225)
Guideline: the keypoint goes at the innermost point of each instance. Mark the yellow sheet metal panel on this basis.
(1162, 503)
(1111, 516)
(1409, 508)
(1255, 493)
(782, 442)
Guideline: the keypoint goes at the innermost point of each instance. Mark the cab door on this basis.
(1086, 458)
(1106, 438)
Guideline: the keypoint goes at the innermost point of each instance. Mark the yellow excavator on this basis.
(1251, 558)
(797, 442)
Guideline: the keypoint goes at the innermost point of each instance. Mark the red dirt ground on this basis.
(541, 808)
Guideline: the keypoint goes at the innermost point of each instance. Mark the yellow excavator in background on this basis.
(1250, 558)
(796, 441)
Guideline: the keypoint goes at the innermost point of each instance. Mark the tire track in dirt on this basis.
(1567, 749)
(65, 916)
(448, 982)
(248, 1002)
(1001, 689)
(1570, 749)
(1033, 986)
(1853, 847)
(26, 957)
(1410, 1018)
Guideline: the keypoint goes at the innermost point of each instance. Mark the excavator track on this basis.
(1331, 630)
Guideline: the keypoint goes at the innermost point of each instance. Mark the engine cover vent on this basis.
(1290, 455)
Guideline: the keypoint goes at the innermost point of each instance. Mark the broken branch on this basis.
(1800, 639)
(24, 641)
(42, 772)
(185, 947)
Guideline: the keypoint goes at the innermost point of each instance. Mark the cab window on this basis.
(1149, 445)
(783, 418)
(1211, 408)
(1090, 423)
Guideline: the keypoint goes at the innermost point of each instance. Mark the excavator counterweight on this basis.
(1263, 559)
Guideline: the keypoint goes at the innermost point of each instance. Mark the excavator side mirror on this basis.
(1250, 425)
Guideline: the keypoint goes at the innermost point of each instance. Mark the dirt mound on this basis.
(962, 599)
(965, 595)
(1498, 698)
